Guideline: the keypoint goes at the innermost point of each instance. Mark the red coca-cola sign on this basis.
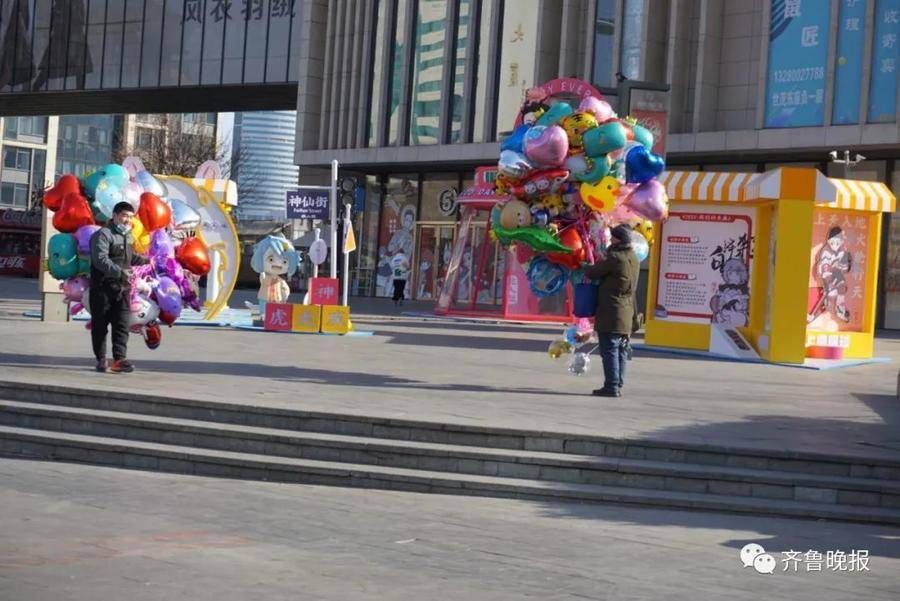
(20, 243)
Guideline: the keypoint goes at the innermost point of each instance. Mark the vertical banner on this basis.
(848, 61)
(837, 279)
(885, 53)
(798, 52)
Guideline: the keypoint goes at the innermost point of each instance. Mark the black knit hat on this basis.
(622, 233)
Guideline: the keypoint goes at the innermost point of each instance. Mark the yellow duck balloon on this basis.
(140, 235)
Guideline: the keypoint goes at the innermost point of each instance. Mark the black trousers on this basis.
(109, 307)
(399, 289)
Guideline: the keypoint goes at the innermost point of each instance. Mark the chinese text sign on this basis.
(885, 54)
(705, 266)
(798, 52)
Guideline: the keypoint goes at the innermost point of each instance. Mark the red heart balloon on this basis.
(73, 213)
(167, 318)
(571, 238)
(53, 198)
(153, 212)
(193, 256)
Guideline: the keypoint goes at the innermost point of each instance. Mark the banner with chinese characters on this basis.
(885, 54)
(837, 279)
(706, 265)
(848, 61)
(798, 53)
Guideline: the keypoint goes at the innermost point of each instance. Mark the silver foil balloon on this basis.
(184, 218)
(151, 184)
(580, 364)
(514, 164)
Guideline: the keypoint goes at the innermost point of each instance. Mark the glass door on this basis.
(434, 243)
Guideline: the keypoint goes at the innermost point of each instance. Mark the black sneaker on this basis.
(606, 392)
(122, 366)
(101, 365)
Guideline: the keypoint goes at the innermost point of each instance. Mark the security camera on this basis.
(833, 154)
(859, 158)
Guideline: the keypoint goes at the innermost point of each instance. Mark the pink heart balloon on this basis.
(649, 200)
(600, 109)
(549, 148)
(621, 214)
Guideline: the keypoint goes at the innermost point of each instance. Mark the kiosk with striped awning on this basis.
(787, 259)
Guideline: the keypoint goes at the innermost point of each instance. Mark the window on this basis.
(30, 129)
(604, 30)
(428, 71)
(37, 168)
(398, 74)
(16, 158)
(14, 195)
(146, 138)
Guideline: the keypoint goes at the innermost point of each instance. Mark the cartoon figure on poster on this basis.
(274, 258)
(731, 304)
(402, 238)
(572, 172)
(383, 272)
(161, 232)
(832, 264)
(426, 263)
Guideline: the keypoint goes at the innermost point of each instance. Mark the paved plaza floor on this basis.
(485, 374)
(82, 533)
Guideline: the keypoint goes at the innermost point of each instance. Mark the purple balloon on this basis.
(83, 238)
(649, 200)
(161, 247)
(168, 296)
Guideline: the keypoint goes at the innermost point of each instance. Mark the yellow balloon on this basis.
(141, 237)
(575, 125)
(601, 196)
(645, 228)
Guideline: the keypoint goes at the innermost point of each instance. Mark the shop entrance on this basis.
(434, 243)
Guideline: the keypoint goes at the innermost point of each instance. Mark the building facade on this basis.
(263, 163)
(412, 95)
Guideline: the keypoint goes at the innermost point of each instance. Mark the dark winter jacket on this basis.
(111, 256)
(618, 276)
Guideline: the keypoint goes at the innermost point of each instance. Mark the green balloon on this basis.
(63, 256)
(643, 136)
(604, 139)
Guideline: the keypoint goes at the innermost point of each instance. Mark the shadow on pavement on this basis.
(285, 373)
(773, 533)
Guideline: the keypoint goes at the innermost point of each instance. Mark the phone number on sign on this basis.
(801, 74)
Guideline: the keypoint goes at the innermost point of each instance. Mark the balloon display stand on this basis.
(485, 280)
(787, 260)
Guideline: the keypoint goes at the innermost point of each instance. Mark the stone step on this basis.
(622, 472)
(22, 442)
(456, 434)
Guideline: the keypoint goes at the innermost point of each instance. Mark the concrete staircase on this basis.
(251, 442)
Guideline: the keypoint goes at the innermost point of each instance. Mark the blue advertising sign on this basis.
(798, 52)
(307, 203)
(883, 85)
(848, 62)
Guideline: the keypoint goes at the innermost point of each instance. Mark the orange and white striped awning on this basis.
(706, 186)
(859, 195)
(709, 186)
